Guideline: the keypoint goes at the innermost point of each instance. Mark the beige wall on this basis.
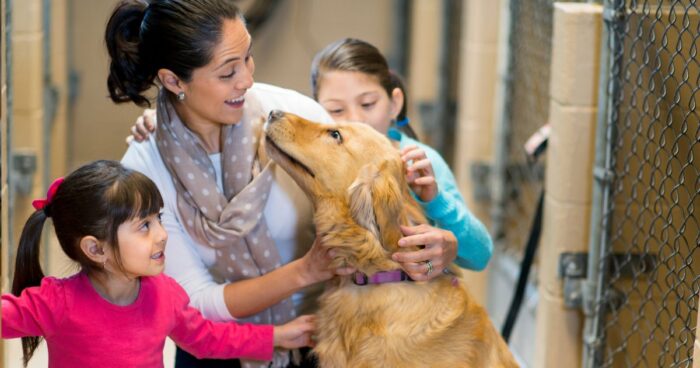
(3, 165)
(573, 105)
(58, 263)
(98, 126)
(282, 49)
(28, 113)
(27, 108)
(478, 78)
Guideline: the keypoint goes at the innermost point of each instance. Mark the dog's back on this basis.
(428, 324)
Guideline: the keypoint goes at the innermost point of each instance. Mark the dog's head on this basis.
(351, 169)
(325, 159)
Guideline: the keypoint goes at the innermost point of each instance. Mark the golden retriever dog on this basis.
(356, 181)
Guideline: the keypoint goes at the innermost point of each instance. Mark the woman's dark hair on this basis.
(353, 55)
(178, 35)
(93, 200)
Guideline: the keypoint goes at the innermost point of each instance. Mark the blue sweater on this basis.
(448, 210)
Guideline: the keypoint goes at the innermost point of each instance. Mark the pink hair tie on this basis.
(39, 204)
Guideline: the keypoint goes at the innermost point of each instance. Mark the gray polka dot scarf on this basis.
(231, 222)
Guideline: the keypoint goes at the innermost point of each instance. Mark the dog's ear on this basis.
(360, 199)
(375, 199)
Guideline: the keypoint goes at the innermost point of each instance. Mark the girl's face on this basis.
(142, 246)
(356, 96)
(215, 94)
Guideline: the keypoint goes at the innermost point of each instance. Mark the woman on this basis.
(237, 229)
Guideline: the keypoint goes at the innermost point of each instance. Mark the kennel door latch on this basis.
(572, 270)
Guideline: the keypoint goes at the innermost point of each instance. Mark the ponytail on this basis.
(177, 35)
(128, 77)
(28, 271)
(402, 117)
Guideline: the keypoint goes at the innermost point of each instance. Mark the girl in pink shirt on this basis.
(117, 311)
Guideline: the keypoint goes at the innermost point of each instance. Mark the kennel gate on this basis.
(644, 260)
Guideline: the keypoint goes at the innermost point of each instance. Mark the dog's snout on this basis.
(275, 115)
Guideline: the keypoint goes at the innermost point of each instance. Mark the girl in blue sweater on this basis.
(351, 79)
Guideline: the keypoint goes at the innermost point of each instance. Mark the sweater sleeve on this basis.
(36, 312)
(448, 211)
(223, 340)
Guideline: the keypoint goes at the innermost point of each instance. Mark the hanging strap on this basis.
(529, 256)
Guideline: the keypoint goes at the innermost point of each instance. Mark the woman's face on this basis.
(216, 92)
(356, 96)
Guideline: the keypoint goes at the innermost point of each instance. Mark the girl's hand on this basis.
(316, 264)
(419, 173)
(440, 249)
(143, 127)
(296, 333)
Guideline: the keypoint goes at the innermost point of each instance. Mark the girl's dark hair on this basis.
(178, 35)
(93, 200)
(354, 55)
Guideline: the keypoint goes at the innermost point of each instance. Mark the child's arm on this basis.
(224, 340)
(295, 333)
(448, 211)
(36, 312)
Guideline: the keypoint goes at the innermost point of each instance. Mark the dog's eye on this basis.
(336, 135)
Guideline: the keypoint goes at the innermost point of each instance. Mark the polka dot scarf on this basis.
(231, 222)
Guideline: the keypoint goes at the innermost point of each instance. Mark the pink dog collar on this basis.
(382, 277)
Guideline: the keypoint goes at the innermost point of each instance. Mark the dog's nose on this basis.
(275, 115)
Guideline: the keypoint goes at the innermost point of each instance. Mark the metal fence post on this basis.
(605, 135)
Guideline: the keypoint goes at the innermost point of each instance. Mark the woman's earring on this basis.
(181, 96)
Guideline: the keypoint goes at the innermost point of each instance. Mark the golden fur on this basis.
(355, 179)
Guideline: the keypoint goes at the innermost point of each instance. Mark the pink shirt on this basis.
(82, 329)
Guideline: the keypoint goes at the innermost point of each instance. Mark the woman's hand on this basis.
(316, 264)
(296, 333)
(440, 249)
(143, 127)
(419, 173)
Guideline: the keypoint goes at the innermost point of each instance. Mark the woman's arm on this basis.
(248, 297)
(242, 298)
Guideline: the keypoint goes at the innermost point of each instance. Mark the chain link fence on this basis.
(525, 110)
(647, 301)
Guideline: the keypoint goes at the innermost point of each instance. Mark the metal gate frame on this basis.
(602, 300)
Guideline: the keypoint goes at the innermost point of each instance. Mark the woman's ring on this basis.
(430, 267)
